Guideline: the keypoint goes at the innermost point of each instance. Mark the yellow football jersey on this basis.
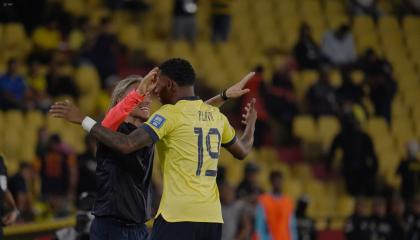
(189, 136)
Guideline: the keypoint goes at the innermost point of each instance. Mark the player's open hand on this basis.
(237, 90)
(250, 115)
(10, 218)
(68, 111)
(148, 84)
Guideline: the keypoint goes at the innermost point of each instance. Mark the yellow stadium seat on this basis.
(15, 41)
(388, 162)
(75, 7)
(304, 127)
(377, 126)
(302, 172)
(328, 128)
(304, 81)
(388, 23)
(131, 36)
(312, 7)
(411, 24)
(335, 78)
(363, 24)
(335, 8)
(293, 188)
(34, 119)
(345, 206)
(14, 119)
(334, 21)
(157, 50)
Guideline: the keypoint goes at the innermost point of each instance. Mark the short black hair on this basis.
(275, 174)
(179, 70)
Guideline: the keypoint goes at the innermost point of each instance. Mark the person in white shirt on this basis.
(338, 46)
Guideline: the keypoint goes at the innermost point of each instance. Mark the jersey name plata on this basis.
(205, 116)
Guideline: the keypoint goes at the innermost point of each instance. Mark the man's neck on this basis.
(183, 92)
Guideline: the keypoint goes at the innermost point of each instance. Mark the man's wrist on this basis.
(223, 95)
(88, 123)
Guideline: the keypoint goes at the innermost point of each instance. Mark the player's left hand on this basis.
(250, 115)
(237, 90)
(148, 84)
(10, 218)
(68, 111)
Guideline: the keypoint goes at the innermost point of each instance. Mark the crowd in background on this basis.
(62, 41)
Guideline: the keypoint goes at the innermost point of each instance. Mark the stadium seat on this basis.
(293, 188)
(15, 41)
(328, 127)
(157, 50)
(305, 80)
(377, 126)
(75, 7)
(363, 24)
(411, 24)
(304, 127)
(34, 119)
(131, 36)
(335, 78)
(87, 80)
(14, 119)
(345, 206)
(335, 8)
(388, 23)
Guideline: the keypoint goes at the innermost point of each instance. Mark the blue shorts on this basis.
(111, 229)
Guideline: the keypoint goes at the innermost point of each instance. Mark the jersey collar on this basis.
(190, 98)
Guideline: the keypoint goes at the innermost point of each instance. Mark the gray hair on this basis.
(122, 87)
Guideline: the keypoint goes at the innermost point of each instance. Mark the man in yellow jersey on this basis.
(188, 134)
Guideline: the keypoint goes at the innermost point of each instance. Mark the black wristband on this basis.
(223, 95)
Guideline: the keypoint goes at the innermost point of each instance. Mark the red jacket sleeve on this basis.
(119, 112)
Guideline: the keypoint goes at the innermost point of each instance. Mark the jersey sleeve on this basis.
(228, 135)
(119, 112)
(160, 123)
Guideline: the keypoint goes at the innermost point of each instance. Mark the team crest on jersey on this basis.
(157, 121)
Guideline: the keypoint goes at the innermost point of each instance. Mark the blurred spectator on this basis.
(409, 171)
(357, 225)
(349, 92)
(411, 7)
(363, 7)
(258, 90)
(378, 73)
(306, 51)
(338, 46)
(87, 167)
(250, 181)
(19, 189)
(221, 20)
(59, 82)
(413, 221)
(37, 84)
(306, 228)
(398, 218)
(237, 223)
(58, 171)
(380, 224)
(12, 87)
(8, 209)
(47, 37)
(359, 165)
(275, 213)
(282, 99)
(103, 52)
(184, 20)
(320, 97)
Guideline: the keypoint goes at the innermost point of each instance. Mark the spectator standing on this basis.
(58, 171)
(306, 51)
(275, 217)
(221, 20)
(409, 171)
(410, 7)
(184, 20)
(37, 84)
(359, 165)
(20, 192)
(357, 225)
(380, 223)
(12, 87)
(59, 82)
(306, 228)
(237, 223)
(249, 182)
(349, 92)
(320, 97)
(257, 89)
(338, 46)
(378, 73)
(363, 7)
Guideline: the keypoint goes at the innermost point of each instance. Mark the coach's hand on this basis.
(148, 84)
(237, 90)
(250, 115)
(68, 111)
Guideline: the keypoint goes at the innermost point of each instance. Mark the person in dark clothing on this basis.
(409, 171)
(249, 182)
(221, 20)
(306, 51)
(19, 190)
(320, 97)
(87, 167)
(398, 219)
(349, 92)
(380, 224)
(359, 164)
(413, 220)
(184, 20)
(306, 228)
(59, 84)
(378, 73)
(8, 210)
(357, 225)
(282, 99)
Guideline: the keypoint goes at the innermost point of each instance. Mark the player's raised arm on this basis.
(118, 141)
(240, 149)
(235, 91)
